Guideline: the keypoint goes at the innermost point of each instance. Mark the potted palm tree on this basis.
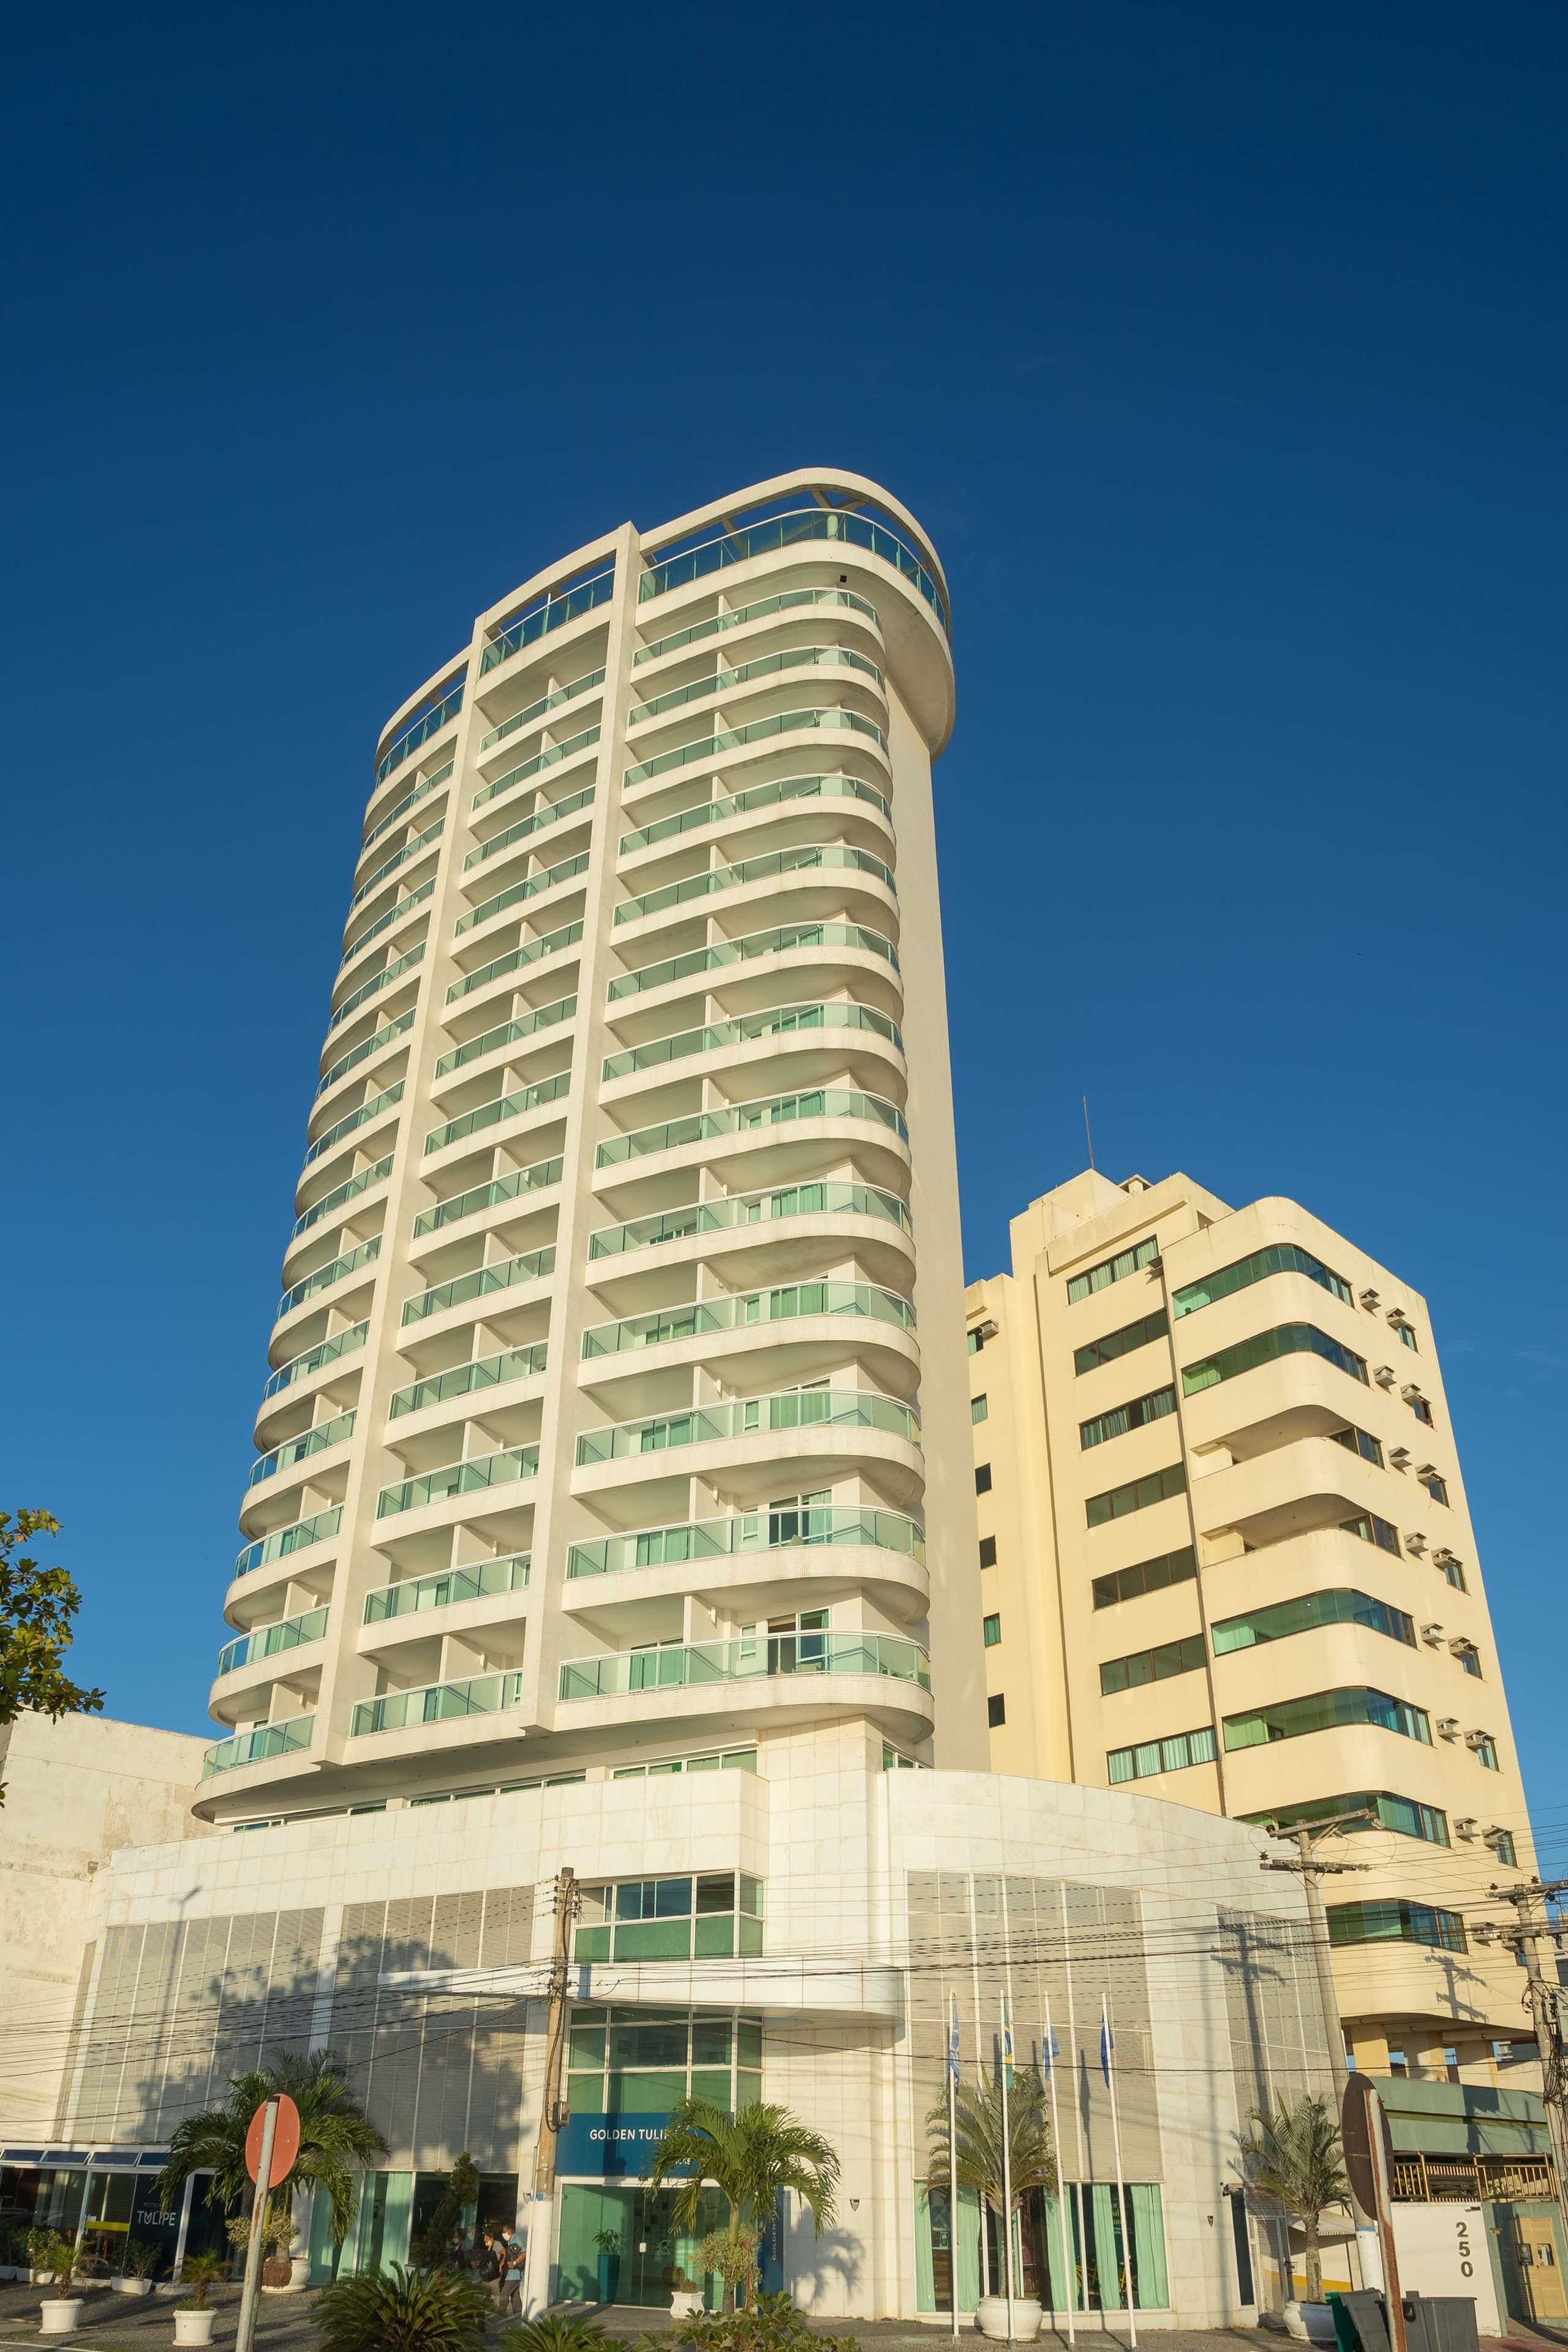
(60, 2313)
(137, 2261)
(1295, 2157)
(1031, 2165)
(194, 2318)
(748, 2156)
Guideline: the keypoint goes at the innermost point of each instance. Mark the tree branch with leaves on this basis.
(38, 1613)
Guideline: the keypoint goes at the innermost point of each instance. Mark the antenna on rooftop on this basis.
(1087, 1136)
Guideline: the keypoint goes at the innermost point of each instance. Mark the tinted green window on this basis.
(1395, 1922)
(1172, 1755)
(1359, 1441)
(1155, 1665)
(670, 1919)
(1145, 1576)
(1282, 1618)
(1113, 1269)
(1137, 1414)
(1326, 1711)
(979, 1409)
(1120, 1343)
(991, 1631)
(1403, 1815)
(627, 2059)
(1285, 1339)
(1486, 1753)
(1374, 1530)
(1136, 1495)
(1279, 1257)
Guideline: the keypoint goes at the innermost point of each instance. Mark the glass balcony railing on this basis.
(288, 1455)
(761, 1416)
(825, 1199)
(518, 959)
(376, 1108)
(504, 1274)
(510, 1033)
(735, 739)
(325, 1277)
(526, 716)
(785, 788)
(787, 1303)
(570, 748)
(459, 1478)
(438, 1703)
(747, 673)
(778, 941)
(473, 1581)
(744, 1531)
(389, 921)
(622, 1673)
(257, 1745)
(284, 1542)
(840, 600)
(552, 609)
(463, 1380)
(383, 979)
(419, 729)
(348, 1191)
(783, 1021)
(496, 1113)
(314, 1359)
(791, 531)
(403, 856)
(489, 1196)
(362, 1052)
(271, 1641)
(810, 858)
(740, 1119)
(564, 870)
(427, 785)
(529, 825)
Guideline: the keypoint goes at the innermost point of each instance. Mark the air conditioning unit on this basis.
(1369, 1300)
(1398, 1317)
(1447, 1727)
(1410, 1393)
(1445, 1558)
(1385, 1375)
(1415, 1543)
(1400, 1456)
(1493, 1834)
(1465, 1826)
(986, 1330)
(1428, 1470)
(1432, 1635)
(1476, 1738)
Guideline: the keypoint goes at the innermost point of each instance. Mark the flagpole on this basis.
(953, 2156)
(1068, 2285)
(1106, 2046)
(1006, 2167)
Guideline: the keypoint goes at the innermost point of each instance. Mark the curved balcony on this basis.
(510, 1032)
(467, 1379)
(784, 789)
(295, 1450)
(419, 730)
(472, 1477)
(791, 1302)
(327, 1277)
(841, 1547)
(496, 1113)
(422, 791)
(513, 1187)
(828, 1197)
(373, 987)
(842, 600)
(389, 921)
(315, 1360)
(505, 1273)
(363, 1051)
(272, 1640)
(476, 1581)
(565, 870)
(546, 703)
(783, 939)
(623, 1673)
(518, 959)
(829, 857)
(760, 731)
(550, 609)
(556, 812)
(800, 529)
(749, 673)
(574, 747)
(284, 1542)
(747, 1117)
(342, 1194)
(366, 1115)
(790, 1409)
(403, 856)
(780, 1021)
(263, 1741)
(437, 1703)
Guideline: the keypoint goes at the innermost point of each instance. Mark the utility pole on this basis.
(1535, 1940)
(1309, 1868)
(565, 1898)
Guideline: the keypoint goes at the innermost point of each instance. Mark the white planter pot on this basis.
(132, 2285)
(60, 2317)
(686, 2303)
(301, 2270)
(195, 2326)
(1310, 2323)
(991, 2316)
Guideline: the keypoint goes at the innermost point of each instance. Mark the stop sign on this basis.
(285, 2142)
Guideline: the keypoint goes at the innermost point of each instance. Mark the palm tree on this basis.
(336, 2139)
(1031, 2160)
(748, 2156)
(1295, 2157)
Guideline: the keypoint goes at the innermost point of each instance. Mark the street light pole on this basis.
(1532, 1938)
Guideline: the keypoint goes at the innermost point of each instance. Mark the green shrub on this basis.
(406, 2311)
(555, 2334)
(462, 2188)
(770, 2324)
(139, 2258)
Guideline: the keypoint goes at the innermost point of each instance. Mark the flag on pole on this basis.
(1107, 2044)
(952, 2036)
(1007, 2046)
(1048, 2050)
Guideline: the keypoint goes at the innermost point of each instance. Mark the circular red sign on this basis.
(285, 2140)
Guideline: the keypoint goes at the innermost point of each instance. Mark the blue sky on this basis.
(1221, 350)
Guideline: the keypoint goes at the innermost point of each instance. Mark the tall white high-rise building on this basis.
(601, 1400)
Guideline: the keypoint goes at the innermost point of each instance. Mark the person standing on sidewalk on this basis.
(513, 2252)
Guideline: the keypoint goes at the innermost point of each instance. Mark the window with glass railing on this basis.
(714, 1915)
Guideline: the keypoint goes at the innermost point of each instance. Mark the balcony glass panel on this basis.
(427, 785)
(786, 1304)
(362, 1052)
(752, 1416)
(254, 1747)
(300, 1449)
(791, 531)
(766, 665)
(740, 1118)
(759, 730)
(812, 856)
(562, 871)
(748, 1209)
(283, 1542)
(794, 599)
(438, 1703)
(473, 1581)
(756, 796)
(410, 850)
(393, 917)
(376, 1108)
(350, 1191)
(489, 1196)
(782, 1529)
(269, 1641)
(365, 1253)
(510, 1033)
(551, 757)
(532, 710)
(505, 1273)
(383, 979)
(779, 941)
(418, 729)
(529, 953)
(621, 1674)
(551, 610)
(529, 825)
(459, 1478)
(462, 1379)
(341, 1343)
(496, 1113)
(783, 1021)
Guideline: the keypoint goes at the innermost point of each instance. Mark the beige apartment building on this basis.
(1227, 1559)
